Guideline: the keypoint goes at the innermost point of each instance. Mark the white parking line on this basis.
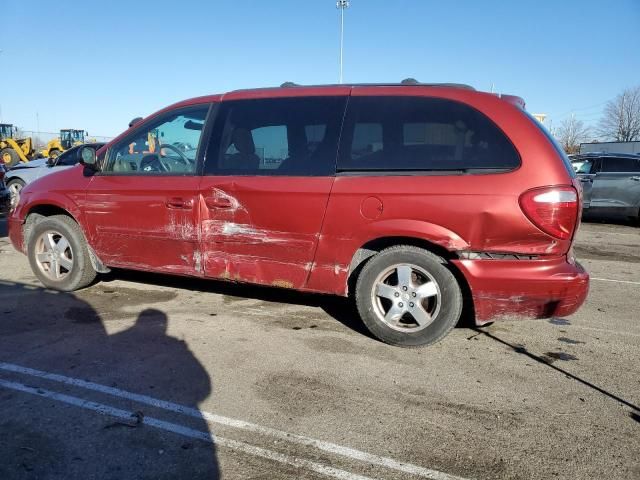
(615, 281)
(604, 232)
(186, 431)
(240, 424)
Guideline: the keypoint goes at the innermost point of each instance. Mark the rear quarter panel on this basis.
(477, 212)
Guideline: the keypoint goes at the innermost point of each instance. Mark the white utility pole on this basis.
(342, 5)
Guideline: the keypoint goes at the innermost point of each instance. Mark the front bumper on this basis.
(16, 233)
(525, 288)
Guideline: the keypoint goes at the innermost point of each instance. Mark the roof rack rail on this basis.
(405, 82)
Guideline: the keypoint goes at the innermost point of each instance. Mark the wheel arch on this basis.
(376, 245)
(12, 178)
(38, 212)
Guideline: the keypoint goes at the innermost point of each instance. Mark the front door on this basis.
(586, 174)
(268, 174)
(616, 187)
(142, 207)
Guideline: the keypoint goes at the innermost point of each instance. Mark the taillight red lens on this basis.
(554, 210)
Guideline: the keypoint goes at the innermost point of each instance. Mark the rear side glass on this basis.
(616, 164)
(418, 133)
(276, 136)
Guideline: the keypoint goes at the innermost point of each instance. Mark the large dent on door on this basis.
(226, 233)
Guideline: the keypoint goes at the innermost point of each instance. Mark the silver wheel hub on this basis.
(14, 191)
(54, 255)
(406, 298)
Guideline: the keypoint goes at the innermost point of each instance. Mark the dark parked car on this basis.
(610, 182)
(417, 200)
(5, 196)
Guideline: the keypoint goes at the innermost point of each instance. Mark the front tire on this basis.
(407, 296)
(58, 254)
(14, 187)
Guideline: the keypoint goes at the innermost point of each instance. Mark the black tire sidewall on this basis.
(75, 279)
(451, 296)
(14, 157)
(16, 180)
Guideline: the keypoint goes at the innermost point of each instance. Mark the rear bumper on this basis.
(525, 288)
(16, 233)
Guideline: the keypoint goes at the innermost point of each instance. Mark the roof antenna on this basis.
(409, 81)
(289, 84)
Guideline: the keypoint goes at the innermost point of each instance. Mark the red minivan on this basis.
(413, 199)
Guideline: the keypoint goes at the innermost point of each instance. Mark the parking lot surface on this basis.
(152, 377)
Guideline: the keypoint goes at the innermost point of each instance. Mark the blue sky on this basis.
(103, 63)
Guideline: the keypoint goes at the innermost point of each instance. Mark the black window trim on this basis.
(158, 120)
(426, 171)
(603, 160)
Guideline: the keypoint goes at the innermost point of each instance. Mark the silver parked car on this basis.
(24, 173)
(610, 183)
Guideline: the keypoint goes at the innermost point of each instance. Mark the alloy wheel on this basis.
(406, 298)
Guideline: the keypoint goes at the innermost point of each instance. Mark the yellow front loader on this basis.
(68, 138)
(13, 149)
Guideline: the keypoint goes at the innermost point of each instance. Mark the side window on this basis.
(367, 139)
(585, 166)
(68, 158)
(167, 146)
(276, 136)
(621, 164)
(418, 133)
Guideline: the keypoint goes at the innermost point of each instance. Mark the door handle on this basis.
(218, 202)
(636, 178)
(586, 180)
(179, 203)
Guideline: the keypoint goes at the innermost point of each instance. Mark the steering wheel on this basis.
(152, 163)
(186, 160)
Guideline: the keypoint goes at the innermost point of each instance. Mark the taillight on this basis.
(554, 210)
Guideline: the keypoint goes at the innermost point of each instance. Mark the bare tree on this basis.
(571, 133)
(621, 118)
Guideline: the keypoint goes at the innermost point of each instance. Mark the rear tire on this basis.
(9, 157)
(58, 254)
(407, 296)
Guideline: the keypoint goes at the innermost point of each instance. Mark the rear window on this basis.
(421, 134)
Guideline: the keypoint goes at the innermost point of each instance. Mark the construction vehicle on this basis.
(68, 138)
(12, 148)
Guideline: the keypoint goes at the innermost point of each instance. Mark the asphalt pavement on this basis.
(147, 376)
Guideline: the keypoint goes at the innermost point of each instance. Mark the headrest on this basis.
(243, 141)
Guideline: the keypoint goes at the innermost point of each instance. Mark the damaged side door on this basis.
(268, 174)
(141, 208)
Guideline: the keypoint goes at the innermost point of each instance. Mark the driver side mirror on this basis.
(51, 162)
(87, 157)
